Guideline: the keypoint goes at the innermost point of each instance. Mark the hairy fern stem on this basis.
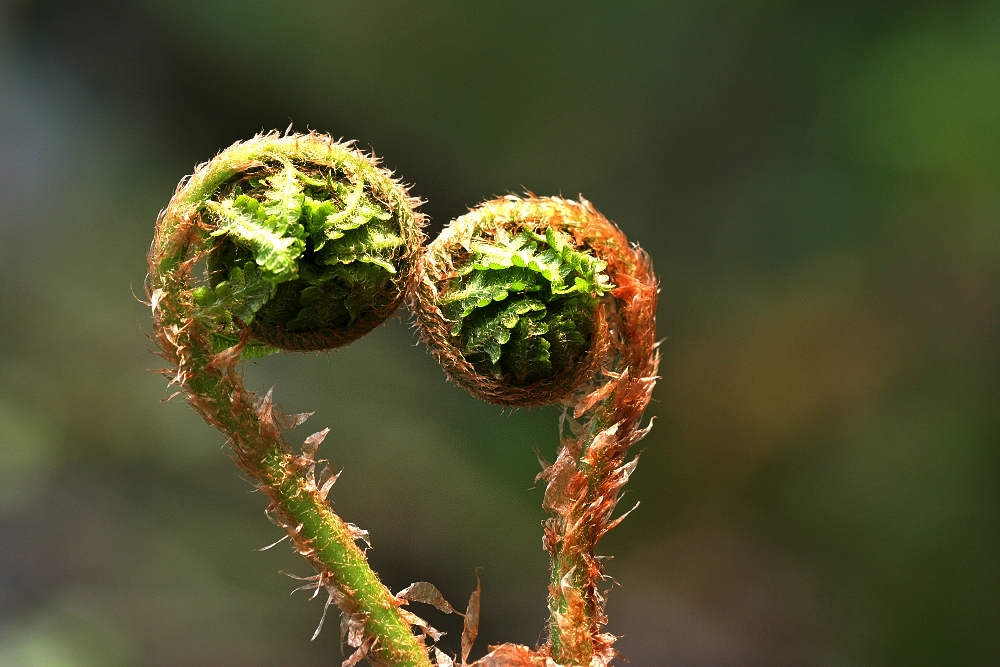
(542, 300)
(236, 267)
(301, 243)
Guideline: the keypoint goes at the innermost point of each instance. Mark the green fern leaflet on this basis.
(522, 306)
(296, 251)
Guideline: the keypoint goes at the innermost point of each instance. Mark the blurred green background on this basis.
(819, 186)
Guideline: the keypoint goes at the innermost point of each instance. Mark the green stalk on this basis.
(321, 536)
(575, 604)
(585, 482)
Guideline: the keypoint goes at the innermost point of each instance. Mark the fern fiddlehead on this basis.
(532, 301)
(287, 243)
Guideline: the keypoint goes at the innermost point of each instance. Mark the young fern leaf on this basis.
(374, 242)
(302, 225)
(542, 300)
(512, 305)
(236, 271)
(222, 342)
(273, 240)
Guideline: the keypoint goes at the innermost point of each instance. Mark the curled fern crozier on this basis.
(307, 244)
(533, 301)
(513, 298)
(299, 243)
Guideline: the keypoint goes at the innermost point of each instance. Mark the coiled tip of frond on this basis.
(290, 241)
(515, 297)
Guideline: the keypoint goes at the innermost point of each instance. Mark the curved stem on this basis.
(590, 470)
(297, 503)
(215, 389)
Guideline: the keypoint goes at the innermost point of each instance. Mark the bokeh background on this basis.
(818, 183)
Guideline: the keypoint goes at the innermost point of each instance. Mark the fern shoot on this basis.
(298, 243)
(541, 300)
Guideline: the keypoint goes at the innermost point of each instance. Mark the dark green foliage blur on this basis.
(819, 186)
